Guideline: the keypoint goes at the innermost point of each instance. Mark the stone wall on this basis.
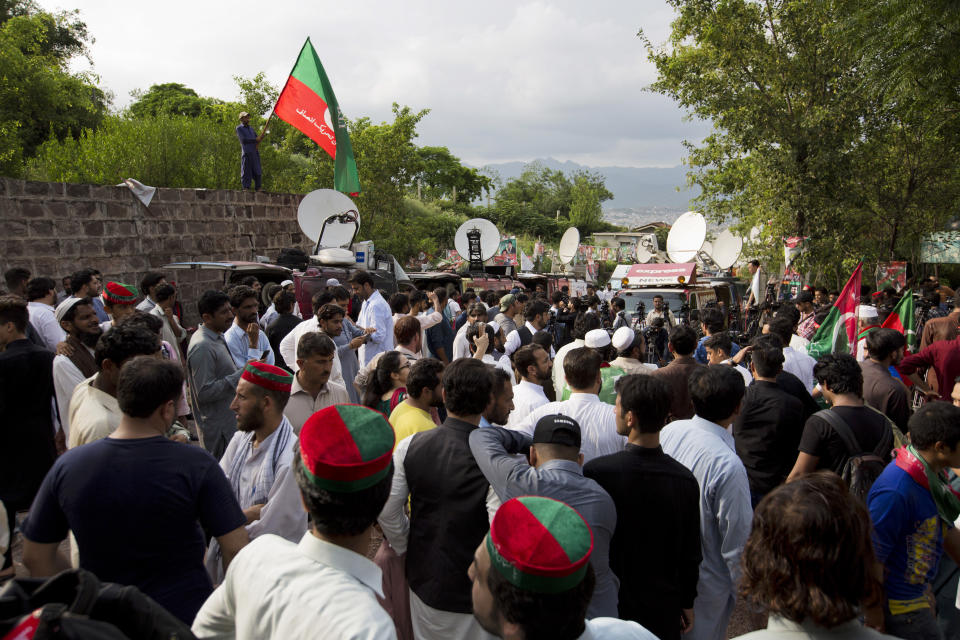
(53, 229)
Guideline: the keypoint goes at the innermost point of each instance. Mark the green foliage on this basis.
(387, 161)
(543, 202)
(171, 98)
(810, 137)
(443, 176)
(39, 96)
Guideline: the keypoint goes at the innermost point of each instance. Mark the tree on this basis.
(444, 176)
(585, 211)
(171, 98)
(798, 137)
(39, 96)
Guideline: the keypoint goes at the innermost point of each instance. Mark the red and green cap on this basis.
(119, 293)
(267, 376)
(346, 447)
(540, 544)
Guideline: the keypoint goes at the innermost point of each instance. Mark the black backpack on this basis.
(74, 604)
(862, 467)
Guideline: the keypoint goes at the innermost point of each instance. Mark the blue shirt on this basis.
(239, 345)
(511, 477)
(136, 508)
(907, 537)
(700, 355)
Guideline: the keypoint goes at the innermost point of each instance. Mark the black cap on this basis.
(557, 429)
(805, 296)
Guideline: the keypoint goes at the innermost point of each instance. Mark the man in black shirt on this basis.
(655, 549)
(768, 428)
(26, 392)
(840, 378)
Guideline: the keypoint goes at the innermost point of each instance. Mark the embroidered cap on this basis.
(267, 376)
(539, 544)
(346, 447)
(867, 312)
(64, 307)
(119, 293)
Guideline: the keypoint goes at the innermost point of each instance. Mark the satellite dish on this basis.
(643, 254)
(329, 218)
(686, 237)
(568, 245)
(477, 240)
(726, 249)
(707, 249)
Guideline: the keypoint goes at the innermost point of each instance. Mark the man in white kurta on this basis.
(323, 586)
(706, 448)
(374, 314)
(533, 363)
(258, 458)
(598, 423)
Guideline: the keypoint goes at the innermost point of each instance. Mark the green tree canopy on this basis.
(171, 98)
(39, 96)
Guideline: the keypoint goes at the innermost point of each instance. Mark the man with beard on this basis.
(312, 389)
(881, 390)
(215, 374)
(424, 392)
(501, 399)
(78, 318)
(245, 339)
(533, 364)
(257, 460)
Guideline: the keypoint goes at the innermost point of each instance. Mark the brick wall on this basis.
(53, 229)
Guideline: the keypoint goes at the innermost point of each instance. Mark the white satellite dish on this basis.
(489, 238)
(568, 245)
(707, 249)
(726, 249)
(686, 237)
(329, 218)
(643, 254)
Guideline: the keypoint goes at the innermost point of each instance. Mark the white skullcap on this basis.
(285, 283)
(867, 311)
(596, 338)
(333, 282)
(64, 307)
(623, 338)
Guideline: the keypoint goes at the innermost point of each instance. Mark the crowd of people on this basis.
(486, 464)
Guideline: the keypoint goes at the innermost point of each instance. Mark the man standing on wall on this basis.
(250, 169)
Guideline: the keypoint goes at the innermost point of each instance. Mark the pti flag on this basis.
(903, 320)
(307, 102)
(838, 333)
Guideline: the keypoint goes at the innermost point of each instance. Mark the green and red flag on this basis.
(307, 102)
(838, 333)
(903, 320)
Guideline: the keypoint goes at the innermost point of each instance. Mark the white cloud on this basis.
(504, 80)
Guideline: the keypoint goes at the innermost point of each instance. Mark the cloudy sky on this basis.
(504, 80)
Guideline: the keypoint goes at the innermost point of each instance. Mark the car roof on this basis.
(229, 265)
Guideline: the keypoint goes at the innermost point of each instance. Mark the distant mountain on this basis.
(640, 190)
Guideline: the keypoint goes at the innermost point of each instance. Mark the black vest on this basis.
(448, 515)
(525, 336)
